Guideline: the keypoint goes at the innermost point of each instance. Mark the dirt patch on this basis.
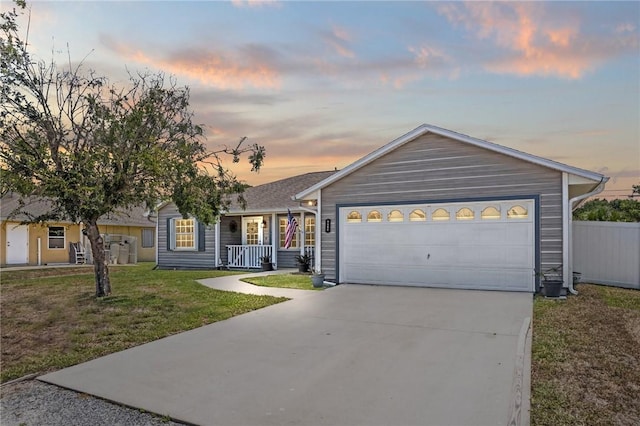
(586, 360)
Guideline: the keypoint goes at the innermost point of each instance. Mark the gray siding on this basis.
(227, 237)
(287, 258)
(435, 168)
(183, 259)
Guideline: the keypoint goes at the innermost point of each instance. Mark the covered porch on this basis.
(250, 256)
(245, 240)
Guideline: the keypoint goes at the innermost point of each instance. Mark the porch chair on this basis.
(80, 253)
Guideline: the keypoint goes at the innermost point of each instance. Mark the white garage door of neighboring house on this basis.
(17, 244)
(476, 245)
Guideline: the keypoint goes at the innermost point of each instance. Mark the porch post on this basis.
(217, 244)
(275, 225)
(301, 239)
(317, 252)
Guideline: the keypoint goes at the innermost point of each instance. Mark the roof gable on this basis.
(426, 128)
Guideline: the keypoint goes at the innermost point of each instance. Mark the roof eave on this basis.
(426, 128)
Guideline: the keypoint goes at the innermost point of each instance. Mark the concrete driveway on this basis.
(349, 355)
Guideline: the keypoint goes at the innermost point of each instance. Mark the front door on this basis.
(17, 244)
(252, 230)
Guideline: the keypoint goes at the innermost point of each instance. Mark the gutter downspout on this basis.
(156, 240)
(574, 202)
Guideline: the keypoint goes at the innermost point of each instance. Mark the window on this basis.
(310, 231)
(374, 216)
(464, 214)
(417, 216)
(395, 216)
(440, 214)
(490, 213)
(354, 216)
(283, 232)
(185, 234)
(517, 212)
(147, 238)
(56, 237)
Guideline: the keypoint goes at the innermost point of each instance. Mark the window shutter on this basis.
(201, 236)
(169, 233)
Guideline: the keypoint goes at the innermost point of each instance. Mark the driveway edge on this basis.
(517, 389)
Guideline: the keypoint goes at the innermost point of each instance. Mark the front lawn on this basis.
(298, 281)
(51, 319)
(586, 358)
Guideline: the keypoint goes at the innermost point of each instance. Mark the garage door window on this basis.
(464, 214)
(354, 216)
(395, 216)
(374, 216)
(417, 215)
(440, 214)
(490, 213)
(517, 212)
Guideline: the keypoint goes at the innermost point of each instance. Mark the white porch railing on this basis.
(247, 256)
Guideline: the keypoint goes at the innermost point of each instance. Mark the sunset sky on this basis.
(320, 84)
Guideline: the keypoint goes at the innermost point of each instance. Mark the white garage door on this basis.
(478, 245)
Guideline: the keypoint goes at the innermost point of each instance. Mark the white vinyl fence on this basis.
(607, 253)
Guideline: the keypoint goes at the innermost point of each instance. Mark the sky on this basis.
(320, 84)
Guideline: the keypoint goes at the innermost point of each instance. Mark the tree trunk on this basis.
(100, 262)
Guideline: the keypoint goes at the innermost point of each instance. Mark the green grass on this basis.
(616, 298)
(585, 358)
(298, 281)
(51, 319)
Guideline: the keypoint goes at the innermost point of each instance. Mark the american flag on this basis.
(290, 231)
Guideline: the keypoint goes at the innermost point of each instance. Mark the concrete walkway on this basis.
(349, 355)
(234, 283)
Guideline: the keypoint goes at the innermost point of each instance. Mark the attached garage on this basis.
(488, 245)
(441, 209)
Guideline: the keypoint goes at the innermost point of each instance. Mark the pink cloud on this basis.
(425, 55)
(339, 40)
(400, 81)
(219, 70)
(428, 59)
(535, 42)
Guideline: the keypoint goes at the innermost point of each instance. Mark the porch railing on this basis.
(310, 251)
(247, 256)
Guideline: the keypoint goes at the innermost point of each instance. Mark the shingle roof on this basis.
(276, 196)
(35, 206)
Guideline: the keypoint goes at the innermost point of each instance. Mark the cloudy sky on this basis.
(320, 84)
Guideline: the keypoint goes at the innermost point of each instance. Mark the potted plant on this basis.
(266, 263)
(552, 281)
(317, 278)
(304, 262)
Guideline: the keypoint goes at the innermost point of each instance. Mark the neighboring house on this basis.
(431, 208)
(43, 244)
